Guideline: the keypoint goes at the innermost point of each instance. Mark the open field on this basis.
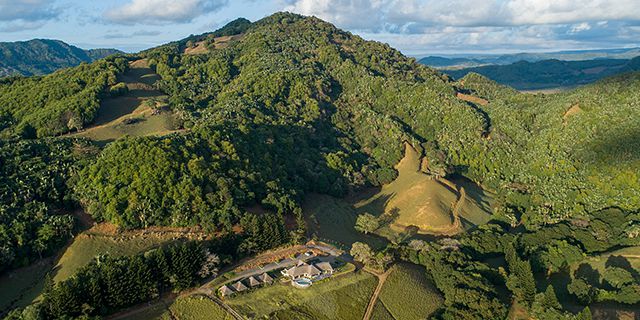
(631, 254)
(88, 245)
(195, 308)
(22, 286)
(413, 199)
(381, 313)
(405, 288)
(333, 219)
(343, 297)
(140, 112)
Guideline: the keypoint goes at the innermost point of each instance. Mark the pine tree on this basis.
(550, 300)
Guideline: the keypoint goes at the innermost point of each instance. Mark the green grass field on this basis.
(19, 287)
(85, 247)
(333, 219)
(405, 288)
(195, 308)
(380, 312)
(632, 254)
(132, 114)
(340, 298)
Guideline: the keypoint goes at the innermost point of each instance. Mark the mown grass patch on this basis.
(407, 293)
(344, 298)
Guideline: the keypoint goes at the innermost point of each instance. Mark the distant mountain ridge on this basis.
(475, 60)
(43, 56)
(546, 74)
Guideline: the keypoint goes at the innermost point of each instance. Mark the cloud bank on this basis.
(489, 24)
(17, 15)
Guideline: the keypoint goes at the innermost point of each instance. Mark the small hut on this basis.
(225, 291)
(253, 282)
(239, 286)
(265, 278)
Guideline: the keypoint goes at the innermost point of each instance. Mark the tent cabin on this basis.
(265, 278)
(253, 282)
(225, 291)
(239, 286)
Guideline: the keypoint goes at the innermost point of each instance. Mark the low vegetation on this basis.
(407, 294)
(344, 297)
(196, 308)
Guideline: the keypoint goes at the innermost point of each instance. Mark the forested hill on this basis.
(43, 56)
(277, 109)
(546, 74)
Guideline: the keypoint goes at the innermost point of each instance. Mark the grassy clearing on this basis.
(158, 311)
(631, 254)
(333, 219)
(84, 248)
(407, 287)
(345, 298)
(413, 200)
(21, 286)
(196, 308)
(140, 112)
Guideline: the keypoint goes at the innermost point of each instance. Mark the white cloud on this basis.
(158, 11)
(370, 15)
(473, 25)
(580, 27)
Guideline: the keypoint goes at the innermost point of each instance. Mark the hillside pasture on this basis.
(103, 239)
(413, 200)
(141, 111)
(340, 298)
(434, 206)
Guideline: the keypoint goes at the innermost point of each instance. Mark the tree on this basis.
(582, 290)
(366, 223)
(617, 277)
(520, 281)
(550, 300)
(361, 252)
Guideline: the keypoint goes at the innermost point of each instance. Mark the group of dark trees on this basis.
(50, 105)
(474, 274)
(108, 284)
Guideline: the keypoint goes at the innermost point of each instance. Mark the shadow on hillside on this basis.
(621, 148)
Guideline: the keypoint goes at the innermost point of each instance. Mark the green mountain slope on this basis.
(43, 56)
(290, 106)
(546, 74)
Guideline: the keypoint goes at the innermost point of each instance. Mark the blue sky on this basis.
(413, 26)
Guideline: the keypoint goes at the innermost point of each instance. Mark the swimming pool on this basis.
(301, 283)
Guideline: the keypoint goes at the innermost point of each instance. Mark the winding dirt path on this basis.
(374, 297)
